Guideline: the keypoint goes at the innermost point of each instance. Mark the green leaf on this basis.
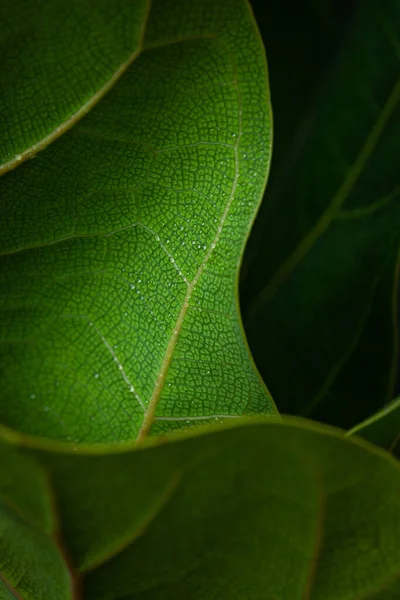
(302, 41)
(383, 428)
(57, 60)
(323, 324)
(121, 241)
(32, 563)
(257, 511)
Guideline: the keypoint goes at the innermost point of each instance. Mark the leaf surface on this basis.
(121, 242)
(383, 428)
(32, 563)
(263, 510)
(57, 60)
(323, 324)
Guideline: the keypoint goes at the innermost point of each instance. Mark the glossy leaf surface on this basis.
(323, 324)
(263, 510)
(121, 241)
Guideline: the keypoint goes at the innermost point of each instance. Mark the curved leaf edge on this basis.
(46, 445)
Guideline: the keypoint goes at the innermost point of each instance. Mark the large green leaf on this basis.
(383, 428)
(57, 60)
(259, 511)
(323, 324)
(121, 241)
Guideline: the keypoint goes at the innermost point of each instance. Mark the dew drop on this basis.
(33, 396)
(18, 157)
(96, 375)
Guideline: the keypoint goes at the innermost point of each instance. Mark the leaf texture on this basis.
(57, 60)
(121, 241)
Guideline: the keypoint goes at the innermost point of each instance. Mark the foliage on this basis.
(142, 456)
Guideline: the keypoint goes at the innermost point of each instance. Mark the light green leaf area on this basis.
(57, 59)
(32, 566)
(383, 428)
(121, 241)
(263, 510)
(327, 266)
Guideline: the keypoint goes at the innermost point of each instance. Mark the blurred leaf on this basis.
(301, 40)
(322, 327)
(383, 428)
(259, 511)
(121, 241)
(57, 60)
(32, 565)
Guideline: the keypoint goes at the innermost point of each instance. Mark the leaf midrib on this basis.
(162, 375)
(84, 109)
(9, 587)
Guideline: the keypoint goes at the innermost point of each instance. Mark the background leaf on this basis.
(323, 324)
(121, 241)
(383, 428)
(302, 41)
(259, 511)
(57, 60)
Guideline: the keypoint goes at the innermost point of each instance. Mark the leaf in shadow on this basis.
(323, 324)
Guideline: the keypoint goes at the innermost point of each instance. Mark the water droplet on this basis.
(18, 157)
(96, 375)
(132, 286)
(33, 396)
